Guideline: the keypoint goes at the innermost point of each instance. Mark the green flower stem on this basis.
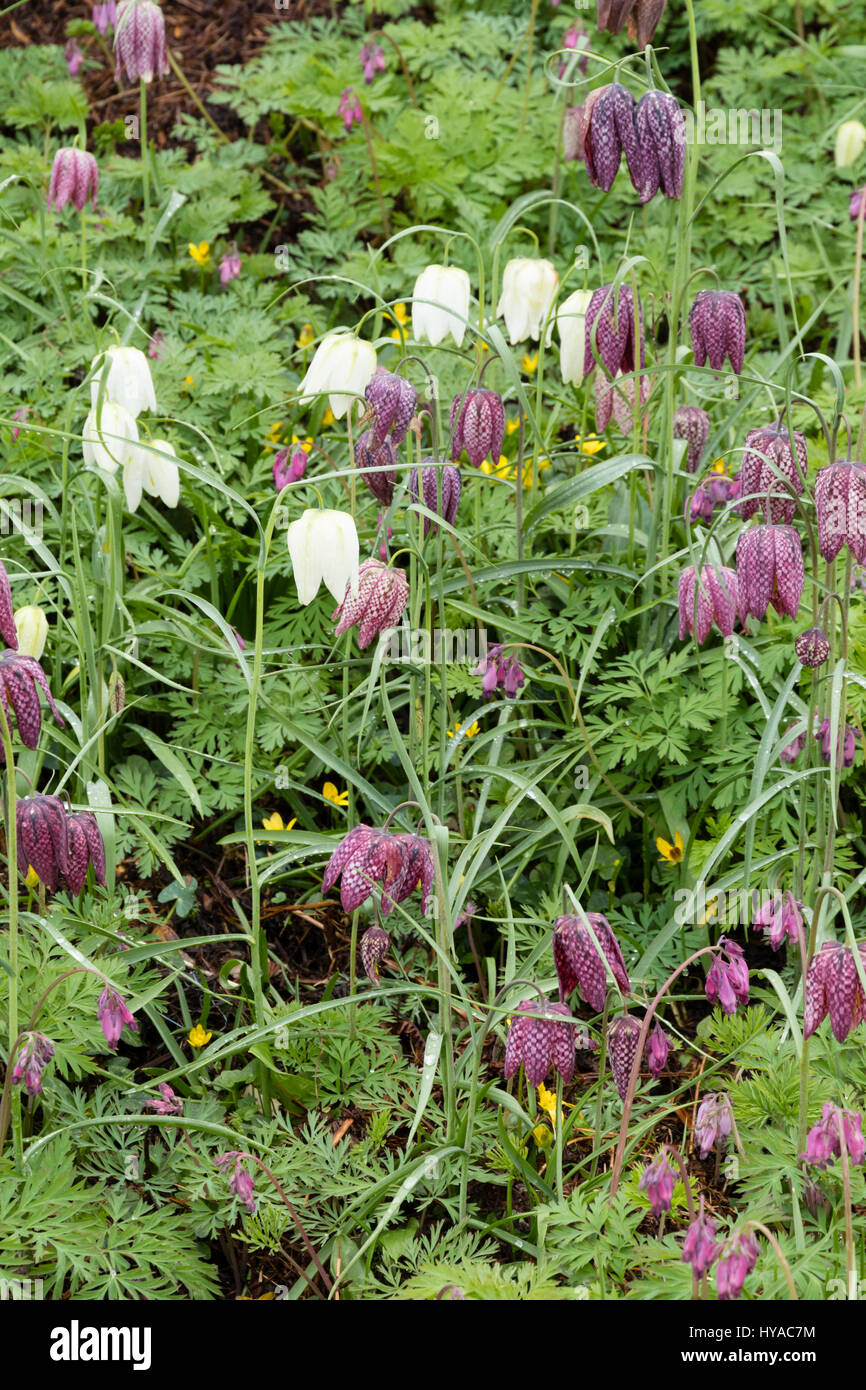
(145, 164)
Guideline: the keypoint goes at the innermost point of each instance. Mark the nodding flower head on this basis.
(139, 41)
(714, 598)
(714, 1122)
(825, 1138)
(577, 960)
(85, 847)
(658, 1181)
(433, 477)
(737, 1260)
(168, 1103)
(846, 743)
(500, 672)
(378, 464)
(378, 605)
(477, 425)
(791, 752)
(375, 945)
(700, 1247)
(43, 841)
(372, 60)
(833, 987)
(289, 469)
(727, 979)
(772, 475)
(840, 505)
(617, 398)
(392, 402)
(717, 322)
(608, 133)
(31, 1058)
(74, 179)
(643, 17)
(540, 1043)
(661, 139)
(656, 1051)
(812, 647)
(623, 1034)
(19, 677)
(715, 490)
(349, 107)
(781, 917)
(770, 570)
(693, 425)
(619, 338)
(241, 1181)
(8, 626)
(368, 858)
(113, 1014)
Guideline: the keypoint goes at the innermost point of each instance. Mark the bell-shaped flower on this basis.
(782, 918)
(477, 424)
(540, 1043)
(378, 464)
(109, 442)
(770, 570)
(139, 41)
(529, 288)
(700, 1247)
(31, 626)
(19, 677)
(713, 1123)
(436, 478)
(152, 469)
(113, 1014)
(42, 837)
(728, 977)
(324, 548)
(850, 142)
(8, 626)
(74, 179)
(840, 505)
(772, 477)
(342, 368)
(623, 1035)
(658, 1181)
(833, 987)
(571, 326)
(85, 847)
(693, 425)
(375, 945)
(619, 339)
(717, 322)
(122, 375)
(31, 1058)
(376, 605)
(715, 598)
(440, 304)
(577, 960)
(736, 1262)
(392, 402)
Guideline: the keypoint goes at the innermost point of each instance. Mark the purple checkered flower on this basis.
(379, 467)
(727, 979)
(623, 1035)
(736, 1262)
(241, 1182)
(616, 398)
(113, 1014)
(477, 425)
(661, 137)
(713, 1123)
(139, 41)
(85, 847)
(770, 570)
(392, 402)
(840, 504)
(578, 963)
(43, 841)
(692, 424)
(8, 630)
(375, 945)
(168, 1104)
(378, 605)
(608, 132)
(434, 476)
(500, 672)
(833, 987)
(658, 1181)
(812, 647)
(717, 322)
(718, 601)
(768, 455)
(656, 1051)
(781, 917)
(846, 743)
(700, 1248)
(620, 348)
(19, 677)
(540, 1043)
(33, 1054)
(643, 17)
(104, 16)
(825, 1138)
(367, 857)
(372, 60)
(74, 179)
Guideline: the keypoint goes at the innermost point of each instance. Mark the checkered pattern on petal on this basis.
(692, 620)
(692, 424)
(139, 41)
(756, 569)
(416, 868)
(346, 849)
(841, 987)
(609, 131)
(562, 1041)
(85, 847)
(840, 502)
(392, 402)
(379, 465)
(717, 322)
(566, 954)
(768, 454)
(451, 486)
(661, 137)
(615, 336)
(789, 575)
(478, 427)
(42, 837)
(7, 613)
(623, 1033)
(375, 945)
(721, 585)
(379, 603)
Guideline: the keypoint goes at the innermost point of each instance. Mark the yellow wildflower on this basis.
(32, 878)
(306, 335)
(402, 317)
(330, 793)
(512, 426)
(673, 853)
(327, 418)
(591, 445)
(275, 822)
(710, 913)
(188, 383)
(198, 1037)
(530, 364)
(459, 731)
(306, 444)
(543, 1136)
(541, 462)
(200, 253)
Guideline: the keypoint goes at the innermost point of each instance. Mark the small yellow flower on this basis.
(710, 913)
(718, 466)
(512, 426)
(274, 435)
(306, 444)
(200, 253)
(502, 469)
(188, 383)
(330, 793)
(547, 1100)
(275, 822)
(591, 445)
(542, 463)
(32, 878)
(465, 732)
(530, 364)
(543, 1136)
(198, 1037)
(673, 853)
(306, 335)
(327, 418)
(402, 317)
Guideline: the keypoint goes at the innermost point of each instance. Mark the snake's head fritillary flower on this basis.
(342, 368)
(529, 286)
(241, 1181)
(715, 598)
(499, 672)
(840, 505)
(168, 1103)
(717, 322)
(8, 628)
(392, 402)
(608, 133)
(781, 917)
(713, 1123)
(85, 847)
(623, 1034)
(812, 647)
(643, 17)
(151, 468)
(372, 60)
(693, 425)
(791, 752)
(846, 743)
(617, 398)
(656, 1051)
(700, 1247)
(737, 1260)
(850, 142)
(658, 1181)
(571, 326)
(772, 475)
(139, 41)
(661, 138)
(727, 979)
(715, 490)
(31, 1058)
(540, 1043)
(378, 463)
(19, 677)
(367, 858)
(113, 1014)
(577, 960)
(74, 179)
(43, 841)
(378, 604)
(121, 376)
(770, 570)
(477, 424)
(833, 987)
(440, 304)
(324, 548)
(375, 945)
(619, 342)
(433, 477)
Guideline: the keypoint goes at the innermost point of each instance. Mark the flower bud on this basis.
(31, 625)
(850, 140)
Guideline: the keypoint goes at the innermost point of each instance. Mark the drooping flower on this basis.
(857, 205)
(661, 139)
(324, 547)
(168, 1103)
(623, 1034)
(440, 304)
(571, 326)
(31, 1058)
(766, 456)
(781, 917)
(619, 342)
(349, 108)
(434, 477)
(825, 1138)
(20, 414)
(658, 1181)
(713, 1123)
(812, 647)
(850, 142)
(833, 987)
(378, 605)
(151, 468)
(85, 847)
(656, 1050)
(840, 505)
(372, 60)
(392, 401)
(617, 398)
(31, 625)
(717, 322)
(791, 752)
(156, 344)
(379, 466)
(104, 15)
(477, 424)
(367, 857)
(74, 179)
(700, 1248)
(342, 368)
(770, 570)
(19, 677)
(728, 977)
(288, 470)
(846, 743)
(529, 286)
(241, 1181)
(578, 963)
(113, 1014)
(715, 490)
(121, 376)
(692, 424)
(42, 837)
(643, 17)
(230, 265)
(540, 1043)
(608, 133)
(8, 627)
(737, 1260)
(109, 442)
(499, 672)
(73, 55)
(715, 598)
(139, 41)
(375, 945)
